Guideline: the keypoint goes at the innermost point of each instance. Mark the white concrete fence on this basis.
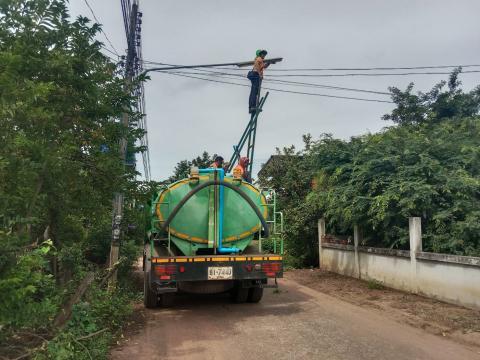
(450, 278)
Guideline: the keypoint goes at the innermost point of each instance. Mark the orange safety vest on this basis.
(259, 65)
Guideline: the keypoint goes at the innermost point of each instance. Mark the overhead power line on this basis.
(379, 68)
(372, 74)
(282, 82)
(372, 68)
(299, 83)
(278, 90)
(126, 6)
(352, 69)
(103, 32)
(348, 68)
(267, 80)
(110, 52)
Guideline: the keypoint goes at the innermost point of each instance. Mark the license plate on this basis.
(220, 273)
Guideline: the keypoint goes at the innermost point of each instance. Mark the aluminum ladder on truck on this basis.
(248, 137)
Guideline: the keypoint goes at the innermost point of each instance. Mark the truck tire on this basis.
(150, 298)
(166, 300)
(255, 294)
(239, 294)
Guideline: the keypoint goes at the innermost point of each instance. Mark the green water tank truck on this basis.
(211, 233)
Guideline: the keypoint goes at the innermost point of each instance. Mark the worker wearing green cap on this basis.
(256, 76)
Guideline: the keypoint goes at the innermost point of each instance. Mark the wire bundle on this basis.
(222, 75)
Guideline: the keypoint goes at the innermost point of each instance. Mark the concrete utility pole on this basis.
(132, 28)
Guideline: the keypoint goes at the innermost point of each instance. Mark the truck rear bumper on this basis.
(244, 271)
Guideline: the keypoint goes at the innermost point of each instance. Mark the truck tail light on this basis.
(271, 269)
(164, 272)
(248, 267)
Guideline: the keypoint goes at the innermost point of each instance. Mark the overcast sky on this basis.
(187, 116)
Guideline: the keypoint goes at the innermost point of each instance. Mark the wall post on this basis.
(415, 232)
(357, 238)
(321, 234)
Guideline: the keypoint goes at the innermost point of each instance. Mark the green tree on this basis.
(59, 101)
(427, 165)
(182, 169)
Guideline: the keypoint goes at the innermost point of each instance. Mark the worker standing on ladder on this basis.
(256, 77)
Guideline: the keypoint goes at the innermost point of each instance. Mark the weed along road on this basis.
(295, 323)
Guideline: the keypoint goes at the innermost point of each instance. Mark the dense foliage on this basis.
(182, 169)
(60, 99)
(427, 165)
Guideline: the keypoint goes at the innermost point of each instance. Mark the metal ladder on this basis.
(275, 221)
(248, 137)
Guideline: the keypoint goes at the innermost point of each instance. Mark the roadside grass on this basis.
(375, 285)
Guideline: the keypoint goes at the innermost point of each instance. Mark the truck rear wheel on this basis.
(255, 294)
(239, 294)
(166, 300)
(150, 298)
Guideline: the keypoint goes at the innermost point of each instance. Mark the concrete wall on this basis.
(454, 279)
(391, 270)
(339, 261)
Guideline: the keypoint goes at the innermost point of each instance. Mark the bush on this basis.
(428, 165)
(29, 295)
(103, 313)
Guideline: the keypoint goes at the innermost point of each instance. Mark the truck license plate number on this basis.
(220, 273)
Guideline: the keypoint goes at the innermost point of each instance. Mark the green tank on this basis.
(216, 219)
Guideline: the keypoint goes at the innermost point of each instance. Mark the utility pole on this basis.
(132, 21)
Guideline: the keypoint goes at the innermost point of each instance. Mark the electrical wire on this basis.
(279, 90)
(364, 69)
(348, 69)
(373, 74)
(126, 16)
(133, 67)
(103, 32)
(379, 68)
(282, 82)
(349, 74)
(109, 51)
(341, 88)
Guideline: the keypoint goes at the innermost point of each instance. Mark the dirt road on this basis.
(296, 323)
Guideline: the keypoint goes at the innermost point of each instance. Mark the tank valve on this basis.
(194, 174)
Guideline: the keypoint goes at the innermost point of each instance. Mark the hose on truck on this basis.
(250, 202)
